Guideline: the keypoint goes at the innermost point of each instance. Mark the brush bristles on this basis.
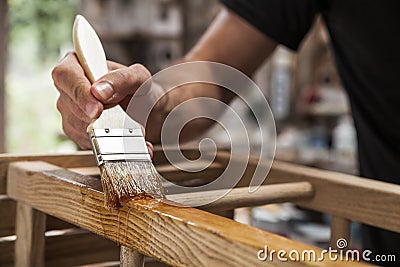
(123, 180)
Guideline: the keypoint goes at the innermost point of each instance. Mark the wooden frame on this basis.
(175, 235)
(171, 234)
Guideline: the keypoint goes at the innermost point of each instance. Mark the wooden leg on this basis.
(130, 257)
(340, 233)
(30, 230)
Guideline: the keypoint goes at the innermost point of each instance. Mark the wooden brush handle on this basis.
(92, 58)
(89, 49)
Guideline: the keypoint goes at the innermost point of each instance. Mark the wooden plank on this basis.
(66, 248)
(131, 257)
(174, 235)
(340, 233)
(85, 159)
(7, 222)
(240, 197)
(72, 160)
(357, 199)
(3, 60)
(169, 172)
(30, 229)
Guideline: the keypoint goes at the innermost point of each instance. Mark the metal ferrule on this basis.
(118, 144)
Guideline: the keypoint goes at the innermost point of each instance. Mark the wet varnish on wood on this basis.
(179, 236)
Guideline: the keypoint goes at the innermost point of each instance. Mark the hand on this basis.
(80, 102)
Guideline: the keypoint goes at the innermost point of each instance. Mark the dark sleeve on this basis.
(285, 21)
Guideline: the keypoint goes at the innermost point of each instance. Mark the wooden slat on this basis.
(66, 248)
(172, 174)
(76, 159)
(169, 172)
(7, 221)
(358, 199)
(30, 229)
(240, 197)
(83, 159)
(175, 235)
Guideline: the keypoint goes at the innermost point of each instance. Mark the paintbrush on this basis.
(117, 140)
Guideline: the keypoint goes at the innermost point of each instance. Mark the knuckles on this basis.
(59, 105)
(73, 120)
(78, 89)
(56, 74)
(142, 72)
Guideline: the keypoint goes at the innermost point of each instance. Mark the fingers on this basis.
(76, 104)
(150, 148)
(114, 65)
(69, 79)
(66, 104)
(73, 124)
(149, 145)
(80, 102)
(119, 84)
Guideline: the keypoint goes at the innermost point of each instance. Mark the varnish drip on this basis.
(141, 201)
(122, 180)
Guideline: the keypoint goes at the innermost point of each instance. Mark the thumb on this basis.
(119, 84)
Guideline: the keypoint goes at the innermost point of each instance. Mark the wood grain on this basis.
(178, 236)
(30, 229)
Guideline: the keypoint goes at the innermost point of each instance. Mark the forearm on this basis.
(229, 40)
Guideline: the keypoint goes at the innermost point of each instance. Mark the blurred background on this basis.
(313, 119)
